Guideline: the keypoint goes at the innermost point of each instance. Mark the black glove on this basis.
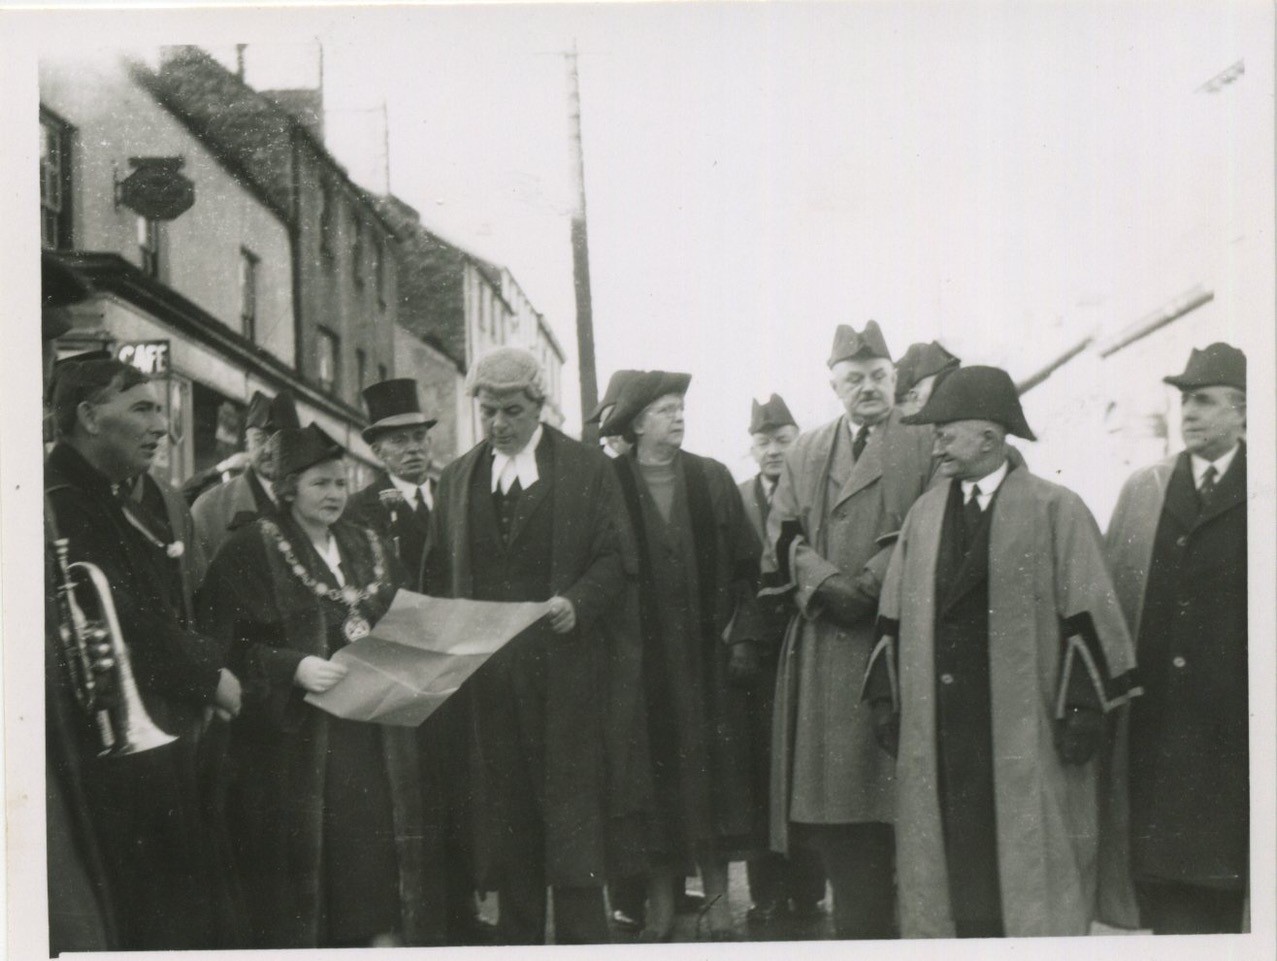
(1078, 734)
(742, 666)
(844, 602)
(886, 724)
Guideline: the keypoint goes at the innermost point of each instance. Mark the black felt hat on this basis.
(645, 387)
(393, 403)
(1219, 365)
(920, 362)
(850, 344)
(774, 413)
(975, 393)
(272, 414)
(616, 383)
(300, 447)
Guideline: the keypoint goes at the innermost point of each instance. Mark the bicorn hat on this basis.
(270, 414)
(641, 389)
(616, 383)
(298, 448)
(393, 403)
(850, 344)
(975, 393)
(774, 413)
(920, 362)
(1219, 365)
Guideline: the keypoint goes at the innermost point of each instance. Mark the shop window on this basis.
(248, 262)
(149, 239)
(382, 373)
(328, 369)
(55, 182)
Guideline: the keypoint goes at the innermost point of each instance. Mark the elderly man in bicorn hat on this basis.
(250, 494)
(529, 514)
(918, 372)
(698, 561)
(776, 883)
(843, 493)
(1001, 648)
(1177, 549)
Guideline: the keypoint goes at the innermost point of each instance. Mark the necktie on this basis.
(418, 502)
(971, 510)
(861, 439)
(1206, 491)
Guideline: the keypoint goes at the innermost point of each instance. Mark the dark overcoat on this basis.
(1180, 572)
(394, 519)
(596, 768)
(215, 509)
(278, 753)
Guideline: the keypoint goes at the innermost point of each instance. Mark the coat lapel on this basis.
(760, 500)
(530, 500)
(1230, 491)
(1181, 496)
(866, 470)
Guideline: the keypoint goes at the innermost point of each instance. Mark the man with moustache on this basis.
(842, 495)
(158, 841)
(250, 494)
(531, 515)
(1001, 648)
(1177, 549)
(776, 883)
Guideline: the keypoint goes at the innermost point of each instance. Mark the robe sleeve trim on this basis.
(790, 531)
(1079, 643)
(773, 584)
(883, 658)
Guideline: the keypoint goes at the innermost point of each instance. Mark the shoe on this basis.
(689, 902)
(808, 910)
(765, 912)
(626, 923)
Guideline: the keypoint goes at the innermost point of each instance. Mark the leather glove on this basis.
(886, 725)
(742, 665)
(1078, 734)
(844, 602)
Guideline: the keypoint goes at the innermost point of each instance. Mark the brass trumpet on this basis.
(93, 650)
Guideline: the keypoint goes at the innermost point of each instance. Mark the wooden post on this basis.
(581, 260)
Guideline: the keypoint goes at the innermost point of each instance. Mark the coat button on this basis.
(946, 678)
(1178, 661)
(1182, 540)
(1184, 603)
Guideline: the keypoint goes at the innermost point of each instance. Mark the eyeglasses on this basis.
(668, 409)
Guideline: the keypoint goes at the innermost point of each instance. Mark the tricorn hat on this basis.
(975, 393)
(270, 414)
(1219, 365)
(645, 387)
(300, 447)
(391, 404)
(850, 344)
(920, 362)
(770, 415)
(616, 383)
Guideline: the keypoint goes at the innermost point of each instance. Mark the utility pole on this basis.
(581, 259)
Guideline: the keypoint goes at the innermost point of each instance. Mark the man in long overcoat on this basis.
(248, 495)
(531, 515)
(1177, 549)
(1001, 649)
(157, 838)
(841, 497)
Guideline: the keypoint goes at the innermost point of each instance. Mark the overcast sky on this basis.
(997, 176)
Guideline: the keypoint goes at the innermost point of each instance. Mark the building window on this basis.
(379, 269)
(361, 368)
(357, 254)
(55, 182)
(248, 262)
(329, 369)
(148, 245)
(326, 213)
(382, 373)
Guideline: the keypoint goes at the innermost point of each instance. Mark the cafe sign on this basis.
(151, 357)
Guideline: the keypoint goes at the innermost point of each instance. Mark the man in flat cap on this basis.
(250, 494)
(530, 515)
(843, 493)
(1001, 648)
(775, 882)
(918, 372)
(1177, 549)
(156, 836)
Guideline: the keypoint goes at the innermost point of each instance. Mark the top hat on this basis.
(770, 415)
(641, 389)
(1219, 365)
(975, 393)
(270, 414)
(920, 362)
(616, 383)
(850, 344)
(298, 448)
(391, 404)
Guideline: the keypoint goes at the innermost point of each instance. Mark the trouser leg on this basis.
(859, 860)
(1190, 909)
(580, 916)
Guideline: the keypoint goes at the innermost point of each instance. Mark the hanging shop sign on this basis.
(156, 189)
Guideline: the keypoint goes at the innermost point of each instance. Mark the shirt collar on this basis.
(989, 485)
(1221, 465)
(525, 462)
(409, 490)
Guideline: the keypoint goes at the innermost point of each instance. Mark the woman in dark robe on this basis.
(698, 562)
(325, 813)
